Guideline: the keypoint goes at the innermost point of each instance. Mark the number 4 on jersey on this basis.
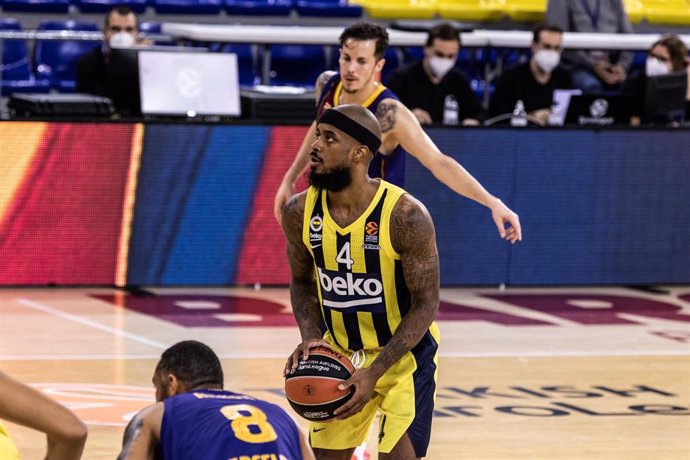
(344, 257)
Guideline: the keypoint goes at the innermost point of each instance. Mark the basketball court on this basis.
(567, 373)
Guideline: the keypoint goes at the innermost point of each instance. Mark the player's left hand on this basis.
(503, 217)
(364, 381)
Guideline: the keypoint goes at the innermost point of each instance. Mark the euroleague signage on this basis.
(115, 405)
(559, 401)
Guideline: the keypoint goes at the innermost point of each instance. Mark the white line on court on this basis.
(89, 323)
(450, 354)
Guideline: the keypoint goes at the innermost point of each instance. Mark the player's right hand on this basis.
(285, 191)
(302, 351)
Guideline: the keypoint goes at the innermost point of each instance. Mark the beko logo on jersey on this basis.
(343, 290)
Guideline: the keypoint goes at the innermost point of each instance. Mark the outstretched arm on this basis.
(395, 117)
(303, 295)
(299, 164)
(413, 236)
(142, 435)
(22, 404)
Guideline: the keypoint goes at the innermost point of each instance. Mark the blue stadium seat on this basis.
(248, 59)
(15, 70)
(298, 65)
(56, 60)
(102, 6)
(258, 7)
(328, 8)
(187, 6)
(36, 6)
(154, 27)
(394, 60)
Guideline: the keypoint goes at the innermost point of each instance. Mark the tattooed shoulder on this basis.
(386, 113)
(411, 224)
(321, 82)
(293, 213)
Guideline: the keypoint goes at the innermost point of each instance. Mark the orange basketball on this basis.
(312, 388)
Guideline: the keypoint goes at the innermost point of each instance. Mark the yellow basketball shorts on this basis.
(404, 396)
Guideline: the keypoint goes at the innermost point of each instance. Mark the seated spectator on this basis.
(533, 82)
(593, 71)
(23, 405)
(94, 73)
(668, 54)
(433, 89)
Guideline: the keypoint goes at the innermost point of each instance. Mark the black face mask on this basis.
(335, 180)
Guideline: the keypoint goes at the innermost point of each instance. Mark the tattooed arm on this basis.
(142, 435)
(303, 294)
(413, 237)
(299, 164)
(400, 126)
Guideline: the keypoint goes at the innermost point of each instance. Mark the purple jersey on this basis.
(221, 425)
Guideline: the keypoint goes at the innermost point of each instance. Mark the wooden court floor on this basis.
(567, 373)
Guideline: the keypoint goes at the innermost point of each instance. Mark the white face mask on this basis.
(440, 66)
(547, 60)
(121, 40)
(654, 67)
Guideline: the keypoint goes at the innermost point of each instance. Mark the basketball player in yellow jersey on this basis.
(23, 405)
(363, 258)
(8, 451)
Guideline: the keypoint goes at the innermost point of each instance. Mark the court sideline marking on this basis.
(90, 323)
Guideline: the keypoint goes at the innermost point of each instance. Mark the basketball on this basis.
(312, 388)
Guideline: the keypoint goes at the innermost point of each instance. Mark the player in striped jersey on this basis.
(362, 49)
(371, 249)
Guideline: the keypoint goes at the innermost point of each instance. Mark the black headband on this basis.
(351, 128)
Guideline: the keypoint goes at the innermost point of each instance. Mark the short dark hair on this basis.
(443, 31)
(536, 33)
(121, 10)
(193, 363)
(367, 31)
(676, 50)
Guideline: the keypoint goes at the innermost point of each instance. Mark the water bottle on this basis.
(450, 110)
(519, 117)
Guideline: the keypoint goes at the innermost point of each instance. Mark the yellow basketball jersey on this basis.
(361, 287)
(8, 451)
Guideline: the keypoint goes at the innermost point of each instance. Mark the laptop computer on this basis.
(598, 110)
(189, 84)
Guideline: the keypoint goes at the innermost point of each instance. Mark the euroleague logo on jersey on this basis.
(372, 233)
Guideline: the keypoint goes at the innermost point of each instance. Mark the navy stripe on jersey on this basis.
(401, 289)
(318, 250)
(350, 320)
(372, 246)
(372, 260)
(341, 256)
(319, 258)
(383, 330)
(419, 431)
